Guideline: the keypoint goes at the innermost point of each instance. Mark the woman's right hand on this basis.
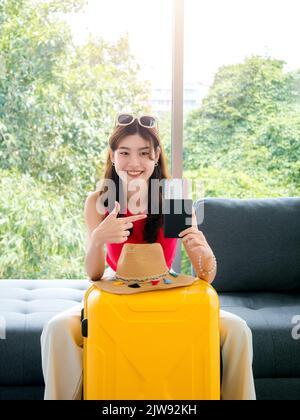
(114, 230)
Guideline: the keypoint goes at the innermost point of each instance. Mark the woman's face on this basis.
(132, 159)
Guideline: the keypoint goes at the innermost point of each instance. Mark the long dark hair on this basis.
(154, 221)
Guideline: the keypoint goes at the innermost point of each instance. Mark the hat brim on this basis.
(112, 285)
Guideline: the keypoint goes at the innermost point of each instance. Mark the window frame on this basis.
(177, 104)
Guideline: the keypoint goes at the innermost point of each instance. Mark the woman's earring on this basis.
(156, 164)
(113, 163)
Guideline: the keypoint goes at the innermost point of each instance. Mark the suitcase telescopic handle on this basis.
(84, 325)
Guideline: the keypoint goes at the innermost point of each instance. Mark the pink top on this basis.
(136, 237)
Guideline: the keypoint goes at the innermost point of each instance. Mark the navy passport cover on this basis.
(176, 223)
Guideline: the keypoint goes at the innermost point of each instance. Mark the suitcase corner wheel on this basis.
(162, 345)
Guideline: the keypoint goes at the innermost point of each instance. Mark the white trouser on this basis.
(62, 356)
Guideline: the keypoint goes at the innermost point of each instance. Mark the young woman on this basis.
(135, 153)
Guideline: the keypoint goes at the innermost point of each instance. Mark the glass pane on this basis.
(242, 74)
(143, 54)
(66, 68)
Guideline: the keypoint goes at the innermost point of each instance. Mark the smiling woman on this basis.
(132, 160)
(136, 153)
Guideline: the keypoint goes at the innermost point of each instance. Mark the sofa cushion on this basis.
(256, 242)
(25, 306)
(270, 318)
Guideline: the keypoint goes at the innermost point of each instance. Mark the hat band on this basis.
(143, 280)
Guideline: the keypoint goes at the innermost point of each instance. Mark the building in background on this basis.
(161, 96)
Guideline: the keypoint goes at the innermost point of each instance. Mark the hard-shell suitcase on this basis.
(162, 345)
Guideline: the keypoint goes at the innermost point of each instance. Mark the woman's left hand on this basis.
(195, 243)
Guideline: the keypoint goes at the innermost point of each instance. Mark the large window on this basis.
(241, 98)
(66, 68)
(242, 135)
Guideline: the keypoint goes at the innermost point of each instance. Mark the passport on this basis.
(177, 214)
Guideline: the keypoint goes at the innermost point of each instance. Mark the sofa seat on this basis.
(26, 305)
(269, 316)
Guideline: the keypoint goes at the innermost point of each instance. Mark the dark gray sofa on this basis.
(257, 245)
(26, 305)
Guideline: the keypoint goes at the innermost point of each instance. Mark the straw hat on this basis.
(142, 268)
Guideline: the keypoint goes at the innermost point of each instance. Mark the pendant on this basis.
(134, 286)
(155, 282)
(168, 281)
(173, 273)
(118, 283)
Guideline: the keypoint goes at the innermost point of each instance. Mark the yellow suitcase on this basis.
(161, 345)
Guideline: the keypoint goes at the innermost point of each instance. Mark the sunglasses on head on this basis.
(147, 121)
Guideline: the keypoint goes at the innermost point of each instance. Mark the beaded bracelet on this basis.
(207, 273)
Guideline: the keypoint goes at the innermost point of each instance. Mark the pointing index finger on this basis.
(135, 218)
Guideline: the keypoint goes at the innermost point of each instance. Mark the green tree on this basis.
(57, 108)
(57, 100)
(248, 125)
(244, 140)
(41, 233)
